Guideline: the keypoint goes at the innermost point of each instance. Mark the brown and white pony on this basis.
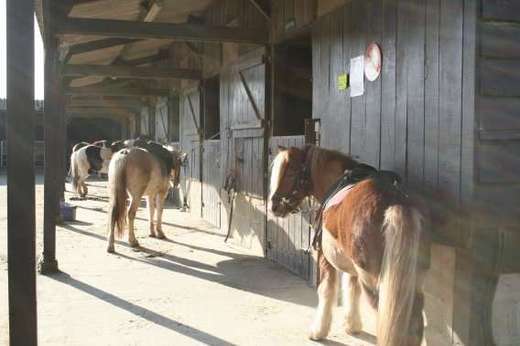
(371, 231)
(79, 145)
(86, 159)
(137, 172)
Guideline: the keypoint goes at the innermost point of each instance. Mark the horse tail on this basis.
(398, 278)
(74, 172)
(117, 191)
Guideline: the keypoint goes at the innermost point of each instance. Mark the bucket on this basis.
(67, 212)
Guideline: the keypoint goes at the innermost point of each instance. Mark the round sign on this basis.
(373, 62)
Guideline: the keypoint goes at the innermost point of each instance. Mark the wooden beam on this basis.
(21, 235)
(90, 46)
(132, 103)
(260, 9)
(104, 91)
(98, 110)
(122, 71)
(184, 32)
(161, 56)
(54, 173)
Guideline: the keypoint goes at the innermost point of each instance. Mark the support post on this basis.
(20, 173)
(53, 129)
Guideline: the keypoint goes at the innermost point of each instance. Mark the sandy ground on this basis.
(191, 289)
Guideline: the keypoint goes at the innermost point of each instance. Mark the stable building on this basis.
(227, 81)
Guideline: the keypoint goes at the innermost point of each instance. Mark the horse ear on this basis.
(281, 148)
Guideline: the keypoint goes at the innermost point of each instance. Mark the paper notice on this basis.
(357, 76)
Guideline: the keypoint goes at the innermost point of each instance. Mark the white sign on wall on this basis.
(357, 76)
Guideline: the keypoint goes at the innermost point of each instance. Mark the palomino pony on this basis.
(148, 171)
(370, 230)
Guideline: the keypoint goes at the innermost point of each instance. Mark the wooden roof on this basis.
(99, 50)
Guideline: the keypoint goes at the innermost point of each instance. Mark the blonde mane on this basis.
(277, 171)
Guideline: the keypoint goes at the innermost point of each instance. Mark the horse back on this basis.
(357, 221)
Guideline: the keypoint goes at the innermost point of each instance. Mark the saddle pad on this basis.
(338, 197)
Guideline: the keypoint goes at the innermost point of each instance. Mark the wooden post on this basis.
(20, 173)
(53, 129)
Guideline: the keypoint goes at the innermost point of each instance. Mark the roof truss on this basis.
(144, 30)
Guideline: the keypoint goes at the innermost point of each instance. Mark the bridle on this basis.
(301, 186)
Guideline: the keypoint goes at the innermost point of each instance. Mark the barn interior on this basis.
(228, 81)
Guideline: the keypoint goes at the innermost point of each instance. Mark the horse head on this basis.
(179, 159)
(290, 180)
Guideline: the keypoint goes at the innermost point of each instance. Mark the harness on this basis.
(348, 180)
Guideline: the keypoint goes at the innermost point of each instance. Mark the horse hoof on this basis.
(161, 236)
(134, 244)
(317, 334)
(353, 328)
(152, 235)
(111, 249)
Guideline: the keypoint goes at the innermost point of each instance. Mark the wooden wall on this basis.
(498, 105)
(289, 17)
(190, 120)
(161, 120)
(410, 119)
(498, 150)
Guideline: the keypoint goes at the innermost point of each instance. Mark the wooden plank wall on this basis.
(145, 121)
(289, 17)
(191, 186)
(498, 105)
(498, 151)
(410, 119)
(161, 120)
(212, 178)
(288, 238)
(242, 140)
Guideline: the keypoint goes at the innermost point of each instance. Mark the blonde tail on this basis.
(74, 173)
(117, 191)
(398, 278)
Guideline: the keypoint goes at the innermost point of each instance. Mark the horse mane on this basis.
(321, 155)
(277, 171)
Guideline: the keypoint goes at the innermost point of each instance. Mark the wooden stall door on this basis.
(242, 112)
(161, 120)
(288, 238)
(190, 143)
(212, 179)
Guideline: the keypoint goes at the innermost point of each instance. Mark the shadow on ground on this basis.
(243, 272)
(147, 314)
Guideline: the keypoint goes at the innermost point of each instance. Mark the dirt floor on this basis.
(191, 289)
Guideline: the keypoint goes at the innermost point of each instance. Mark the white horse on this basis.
(137, 172)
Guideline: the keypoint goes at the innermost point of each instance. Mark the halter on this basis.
(302, 185)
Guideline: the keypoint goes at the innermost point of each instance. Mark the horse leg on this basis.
(132, 210)
(327, 297)
(160, 206)
(84, 188)
(150, 202)
(416, 330)
(353, 324)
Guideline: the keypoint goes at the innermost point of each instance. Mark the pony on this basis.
(138, 172)
(86, 159)
(370, 230)
(79, 145)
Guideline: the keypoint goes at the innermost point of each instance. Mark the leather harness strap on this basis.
(350, 178)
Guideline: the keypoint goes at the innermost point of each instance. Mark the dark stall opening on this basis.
(293, 86)
(91, 130)
(212, 108)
